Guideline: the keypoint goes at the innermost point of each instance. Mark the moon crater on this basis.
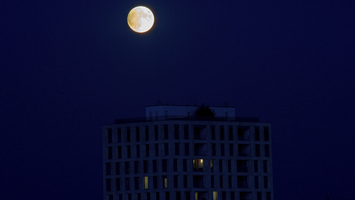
(140, 19)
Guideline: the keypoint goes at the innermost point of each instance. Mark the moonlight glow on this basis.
(140, 19)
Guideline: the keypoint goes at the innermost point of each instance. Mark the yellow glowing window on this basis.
(197, 164)
(165, 182)
(146, 182)
(215, 195)
(196, 195)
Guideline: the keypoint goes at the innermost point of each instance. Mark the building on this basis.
(173, 155)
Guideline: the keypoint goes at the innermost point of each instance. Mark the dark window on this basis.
(120, 197)
(166, 132)
(126, 166)
(267, 150)
(231, 149)
(230, 132)
(119, 152)
(188, 195)
(212, 181)
(119, 136)
(147, 150)
(213, 132)
(256, 181)
(175, 165)
(148, 196)
(138, 151)
(147, 133)
(268, 195)
(167, 195)
(110, 197)
(213, 149)
(156, 132)
(110, 153)
(232, 195)
(128, 134)
(230, 181)
(222, 149)
(265, 166)
(155, 166)
(178, 195)
(128, 151)
(118, 168)
(118, 184)
(155, 182)
(127, 183)
(256, 166)
(221, 132)
(108, 185)
(139, 196)
(257, 150)
(221, 181)
(166, 149)
(229, 166)
(145, 166)
(265, 182)
(137, 134)
(242, 166)
(108, 168)
(224, 195)
(157, 195)
(136, 183)
(164, 164)
(176, 131)
(109, 135)
(156, 149)
(220, 166)
(129, 196)
(185, 181)
(186, 145)
(176, 182)
(266, 133)
(177, 149)
(258, 196)
(186, 132)
(184, 165)
(257, 133)
(136, 167)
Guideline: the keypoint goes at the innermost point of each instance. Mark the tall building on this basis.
(171, 154)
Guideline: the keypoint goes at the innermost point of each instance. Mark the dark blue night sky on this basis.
(67, 67)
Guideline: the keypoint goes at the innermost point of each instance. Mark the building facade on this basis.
(161, 157)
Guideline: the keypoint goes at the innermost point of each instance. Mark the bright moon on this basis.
(140, 19)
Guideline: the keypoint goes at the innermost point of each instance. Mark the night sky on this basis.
(67, 67)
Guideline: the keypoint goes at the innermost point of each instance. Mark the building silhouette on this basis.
(172, 154)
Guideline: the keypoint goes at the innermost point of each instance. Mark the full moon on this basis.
(140, 19)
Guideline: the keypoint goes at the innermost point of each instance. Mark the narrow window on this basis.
(145, 165)
(109, 152)
(156, 133)
(215, 195)
(167, 195)
(118, 168)
(108, 168)
(184, 163)
(128, 151)
(265, 166)
(185, 181)
(266, 133)
(155, 166)
(166, 149)
(109, 135)
(213, 149)
(166, 132)
(229, 166)
(267, 150)
(256, 181)
(128, 134)
(221, 181)
(164, 165)
(108, 185)
(230, 181)
(126, 166)
(186, 132)
(257, 133)
(256, 166)
(136, 167)
(212, 181)
(257, 150)
(118, 184)
(176, 131)
(119, 136)
(222, 149)
(136, 183)
(147, 150)
(156, 149)
(232, 195)
(268, 195)
(265, 182)
(129, 196)
(186, 145)
(175, 165)
(211, 165)
(231, 149)
(147, 133)
(176, 182)
(224, 195)
(213, 132)
(230, 132)
(155, 182)
(178, 195)
(157, 195)
(127, 183)
(139, 196)
(110, 197)
(119, 152)
(220, 166)
(221, 132)
(165, 181)
(138, 150)
(137, 134)
(146, 182)
(188, 195)
(177, 149)
(148, 196)
(258, 196)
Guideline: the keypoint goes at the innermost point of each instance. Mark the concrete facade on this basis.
(187, 159)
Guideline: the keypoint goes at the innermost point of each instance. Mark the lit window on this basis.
(197, 164)
(146, 182)
(215, 195)
(165, 179)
